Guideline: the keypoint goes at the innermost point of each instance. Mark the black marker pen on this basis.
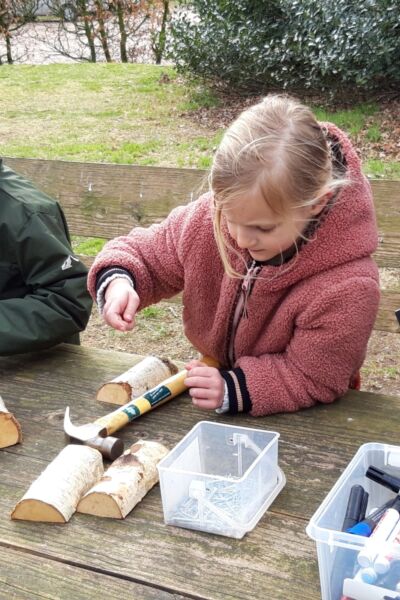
(354, 507)
(385, 479)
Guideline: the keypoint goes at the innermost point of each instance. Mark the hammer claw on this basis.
(94, 435)
(82, 432)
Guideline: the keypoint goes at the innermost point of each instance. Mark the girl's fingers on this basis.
(204, 404)
(198, 382)
(194, 363)
(201, 393)
(119, 311)
(131, 306)
(115, 320)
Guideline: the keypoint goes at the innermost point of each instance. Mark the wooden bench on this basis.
(105, 200)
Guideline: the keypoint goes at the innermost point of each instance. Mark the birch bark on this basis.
(125, 482)
(54, 495)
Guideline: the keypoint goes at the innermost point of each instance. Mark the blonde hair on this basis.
(278, 148)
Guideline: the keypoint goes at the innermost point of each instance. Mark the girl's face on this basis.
(256, 228)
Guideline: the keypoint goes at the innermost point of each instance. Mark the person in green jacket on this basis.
(43, 295)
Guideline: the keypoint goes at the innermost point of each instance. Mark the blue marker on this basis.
(366, 527)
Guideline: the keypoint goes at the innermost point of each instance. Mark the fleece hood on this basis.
(347, 233)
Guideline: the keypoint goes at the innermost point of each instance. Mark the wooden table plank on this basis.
(25, 576)
(273, 561)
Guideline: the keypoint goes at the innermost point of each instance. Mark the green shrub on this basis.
(316, 44)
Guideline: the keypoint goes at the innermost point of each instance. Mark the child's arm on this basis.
(154, 257)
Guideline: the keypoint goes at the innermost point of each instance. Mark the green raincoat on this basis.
(43, 296)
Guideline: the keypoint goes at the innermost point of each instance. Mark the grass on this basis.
(374, 133)
(152, 312)
(377, 370)
(152, 320)
(103, 113)
(127, 114)
(378, 169)
(87, 246)
(351, 120)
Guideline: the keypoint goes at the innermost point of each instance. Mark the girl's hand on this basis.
(207, 386)
(121, 304)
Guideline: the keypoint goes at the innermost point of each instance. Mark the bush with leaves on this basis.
(316, 44)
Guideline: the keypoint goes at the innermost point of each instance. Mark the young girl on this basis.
(274, 262)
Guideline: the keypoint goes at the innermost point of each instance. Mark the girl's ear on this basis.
(321, 203)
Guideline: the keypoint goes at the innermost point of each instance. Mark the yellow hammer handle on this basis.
(161, 393)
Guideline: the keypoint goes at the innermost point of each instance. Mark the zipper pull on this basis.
(246, 287)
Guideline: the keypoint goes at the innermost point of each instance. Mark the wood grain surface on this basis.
(273, 561)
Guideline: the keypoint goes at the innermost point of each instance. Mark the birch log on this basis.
(125, 482)
(142, 377)
(53, 497)
(10, 429)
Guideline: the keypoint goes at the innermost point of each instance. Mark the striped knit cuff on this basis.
(105, 277)
(239, 398)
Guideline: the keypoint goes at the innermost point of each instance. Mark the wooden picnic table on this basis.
(141, 557)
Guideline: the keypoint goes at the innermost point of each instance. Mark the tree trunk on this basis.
(54, 496)
(10, 429)
(159, 45)
(102, 31)
(122, 31)
(136, 381)
(8, 47)
(88, 26)
(125, 482)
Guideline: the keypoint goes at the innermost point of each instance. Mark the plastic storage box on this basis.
(341, 573)
(220, 478)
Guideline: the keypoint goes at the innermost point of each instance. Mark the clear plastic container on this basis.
(343, 572)
(220, 478)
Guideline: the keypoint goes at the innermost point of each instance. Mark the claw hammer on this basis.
(98, 434)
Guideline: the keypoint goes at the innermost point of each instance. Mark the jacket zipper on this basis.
(240, 310)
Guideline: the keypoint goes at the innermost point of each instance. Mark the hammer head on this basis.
(95, 436)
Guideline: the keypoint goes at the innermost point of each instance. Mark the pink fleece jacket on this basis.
(308, 320)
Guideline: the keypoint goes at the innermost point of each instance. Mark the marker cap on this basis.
(381, 565)
(354, 507)
(389, 481)
(364, 528)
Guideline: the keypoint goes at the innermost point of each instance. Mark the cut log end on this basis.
(36, 510)
(10, 430)
(100, 504)
(115, 393)
(139, 379)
